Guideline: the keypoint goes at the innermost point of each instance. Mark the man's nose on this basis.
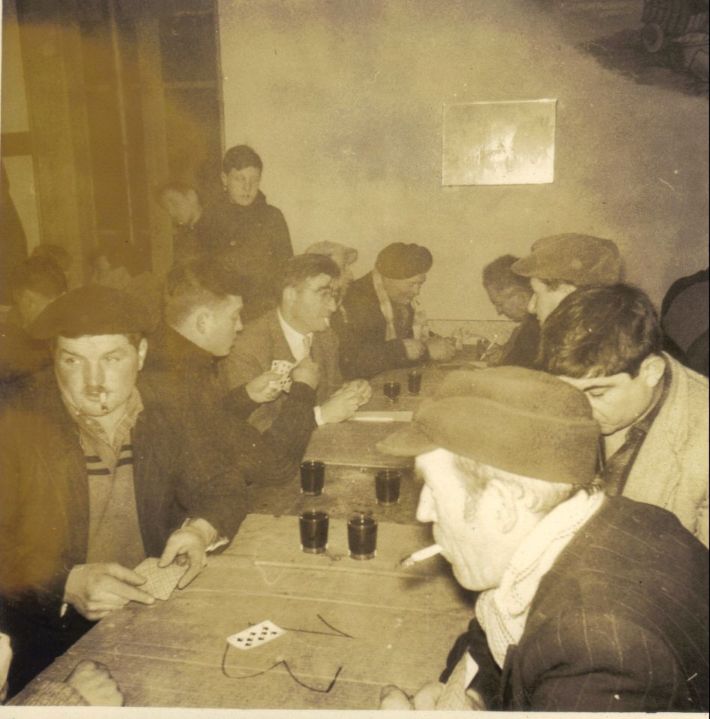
(425, 508)
(94, 375)
(532, 304)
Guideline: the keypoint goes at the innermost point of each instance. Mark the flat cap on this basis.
(335, 250)
(92, 310)
(518, 420)
(400, 261)
(577, 259)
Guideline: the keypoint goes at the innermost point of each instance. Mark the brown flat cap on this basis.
(518, 420)
(92, 310)
(577, 259)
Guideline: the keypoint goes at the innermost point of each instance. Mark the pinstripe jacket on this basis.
(619, 623)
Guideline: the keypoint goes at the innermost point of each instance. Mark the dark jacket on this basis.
(619, 623)
(192, 380)
(253, 241)
(521, 349)
(364, 352)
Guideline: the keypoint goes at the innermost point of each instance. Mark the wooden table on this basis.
(387, 625)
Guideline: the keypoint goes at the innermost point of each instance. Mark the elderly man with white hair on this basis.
(587, 602)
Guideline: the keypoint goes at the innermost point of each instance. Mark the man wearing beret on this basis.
(558, 264)
(94, 481)
(383, 326)
(652, 410)
(587, 602)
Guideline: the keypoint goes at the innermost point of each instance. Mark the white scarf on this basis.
(502, 612)
(420, 330)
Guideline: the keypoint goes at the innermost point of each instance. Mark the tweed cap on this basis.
(92, 310)
(399, 261)
(577, 259)
(334, 250)
(518, 420)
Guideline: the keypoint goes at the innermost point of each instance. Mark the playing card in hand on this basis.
(256, 635)
(283, 369)
(160, 581)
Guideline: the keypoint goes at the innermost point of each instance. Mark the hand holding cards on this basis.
(160, 582)
(282, 368)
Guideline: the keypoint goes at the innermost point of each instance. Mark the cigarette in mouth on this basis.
(102, 401)
(420, 555)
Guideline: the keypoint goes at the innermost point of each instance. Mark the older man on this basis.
(587, 603)
(383, 327)
(652, 410)
(202, 318)
(296, 336)
(94, 481)
(559, 264)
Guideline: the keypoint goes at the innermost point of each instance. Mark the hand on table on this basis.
(441, 348)
(94, 682)
(362, 389)
(188, 546)
(307, 371)
(341, 406)
(393, 698)
(264, 387)
(414, 349)
(98, 589)
(5, 659)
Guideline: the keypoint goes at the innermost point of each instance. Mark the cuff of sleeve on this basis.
(216, 543)
(318, 414)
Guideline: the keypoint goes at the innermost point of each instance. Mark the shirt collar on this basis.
(294, 338)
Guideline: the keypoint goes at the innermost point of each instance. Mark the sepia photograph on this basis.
(353, 357)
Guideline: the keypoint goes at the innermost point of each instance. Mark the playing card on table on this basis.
(160, 582)
(256, 635)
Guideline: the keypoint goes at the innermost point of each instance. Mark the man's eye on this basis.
(70, 360)
(596, 392)
(112, 358)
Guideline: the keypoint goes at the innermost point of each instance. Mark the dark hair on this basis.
(196, 283)
(301, 267)
(239, 157)
(60, 256)
(599, 331)
(499, 276)
(173, 186)
(39, 274)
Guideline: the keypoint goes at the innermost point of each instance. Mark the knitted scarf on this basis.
(419, 325)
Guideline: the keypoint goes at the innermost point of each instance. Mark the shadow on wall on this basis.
(670, 49)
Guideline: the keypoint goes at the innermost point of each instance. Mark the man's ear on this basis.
(289, 296)
(652, 369)
(202, 320)
(504, 496)
(142, 352)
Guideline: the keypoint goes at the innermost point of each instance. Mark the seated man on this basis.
(183, 205)
(587, 602)
(94, 480)
(297, 331)
(559, 264)
(510, 294)
(34, 284)
(652, 410)
(383, 328)
(202, 318)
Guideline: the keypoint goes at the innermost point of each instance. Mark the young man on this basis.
(652, 410)
(382, 327)
(250, 236)
(559, 264)
(510, 294)
(183, 205)
(297, 334)
(94, 480)
(587, 602)
(202, 318)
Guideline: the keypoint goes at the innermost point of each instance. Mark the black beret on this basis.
(92, 310)
(399, 261)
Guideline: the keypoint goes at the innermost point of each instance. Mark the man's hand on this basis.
(393, 698)
(264, 387)
(98, 589)
(307, 371)
(441, 348)
(94, 682)
(5, 659)
(341, 406)
(413, 348)
(189, 546)
(362, 389)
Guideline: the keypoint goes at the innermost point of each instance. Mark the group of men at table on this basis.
(569, 486)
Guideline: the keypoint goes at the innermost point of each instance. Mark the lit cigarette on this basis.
(420, 555)
(103, 402)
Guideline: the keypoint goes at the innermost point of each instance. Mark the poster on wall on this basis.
(499, 143)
